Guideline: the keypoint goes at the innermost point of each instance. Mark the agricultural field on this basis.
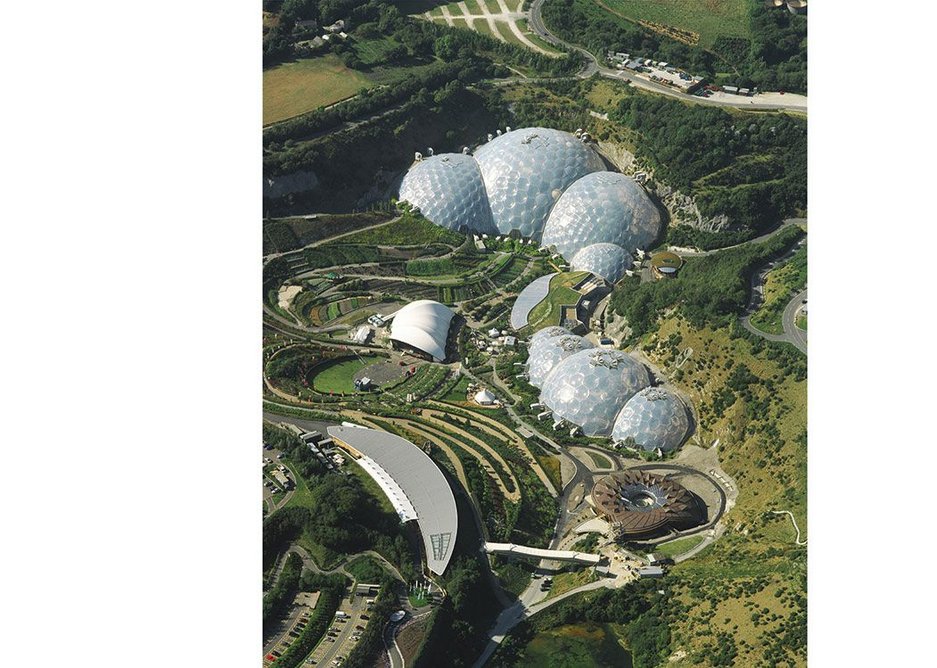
(294, 88)
(708, 20)
(500, 20)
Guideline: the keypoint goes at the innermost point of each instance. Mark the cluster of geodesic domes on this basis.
(604, 392)
(548, 185)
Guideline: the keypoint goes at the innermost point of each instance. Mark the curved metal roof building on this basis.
(420, 486)
(603, 207)
(424, 325)
(590, 387)
(654, 418)
(525, 172)
(609, 261)
(449, 190)
(551, 352)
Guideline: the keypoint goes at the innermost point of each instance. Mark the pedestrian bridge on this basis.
(510, 549)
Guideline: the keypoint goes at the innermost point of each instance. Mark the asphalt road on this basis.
(592, 67)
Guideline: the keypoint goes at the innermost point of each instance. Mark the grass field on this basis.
(747, 589)
(576, 646)
(294, 88)
(338, 376)
(599, 460)
(709, 18)
(677, 547)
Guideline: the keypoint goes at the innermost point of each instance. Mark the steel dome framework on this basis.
(449, 190)
(603, 207)
(525, 172)
(653, 418)
(590, 387)
(609, 261)
(553, 351)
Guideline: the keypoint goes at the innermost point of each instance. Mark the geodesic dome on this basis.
(449, 190)
(654, 418)
(590, 387)
(609, 261)
(603, 207)
(542, 336)
(551, 352)
(525, 172)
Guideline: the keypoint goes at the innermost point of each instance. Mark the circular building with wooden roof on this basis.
(639, 503)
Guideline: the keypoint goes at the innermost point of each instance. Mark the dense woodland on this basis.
(709, 290)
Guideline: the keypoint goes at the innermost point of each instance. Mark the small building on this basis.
(282, 478)
(731, 89)
(651, 572)
(363, 384)
(307, 599)
(493, 332)
(484, 398)
(511, 341)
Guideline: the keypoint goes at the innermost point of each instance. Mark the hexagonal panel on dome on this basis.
(602, 207)
(525, 172)
(542, 336)
(654, 418)
(449, 190)
(590, 387)
(609, 261)
(551, 352)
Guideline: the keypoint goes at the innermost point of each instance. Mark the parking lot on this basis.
(273, 494)
(342, 634)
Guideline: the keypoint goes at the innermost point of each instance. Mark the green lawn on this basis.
(338, 376)
(677, 547)
(458, 391)
(548, 312)
(599, 460)
(294, 88)
(801, 322)
(710, 19)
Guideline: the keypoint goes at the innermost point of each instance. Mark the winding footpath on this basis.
(797, 540)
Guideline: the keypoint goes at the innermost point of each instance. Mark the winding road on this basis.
(795, 103)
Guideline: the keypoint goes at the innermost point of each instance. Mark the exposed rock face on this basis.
(682, 208)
